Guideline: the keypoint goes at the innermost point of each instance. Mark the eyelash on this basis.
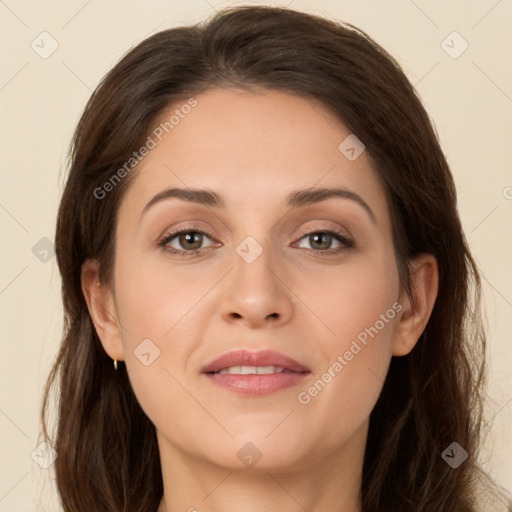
(340, 237)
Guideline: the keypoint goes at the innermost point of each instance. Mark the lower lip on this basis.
(255, 385)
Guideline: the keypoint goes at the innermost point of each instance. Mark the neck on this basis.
(315, 484)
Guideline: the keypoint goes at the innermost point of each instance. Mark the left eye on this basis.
(321, 242)
(324, 239)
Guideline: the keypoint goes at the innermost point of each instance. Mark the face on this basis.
(315, 280)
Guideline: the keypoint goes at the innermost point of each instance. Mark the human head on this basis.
(353, 79)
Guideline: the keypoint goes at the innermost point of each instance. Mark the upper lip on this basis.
(247, 358)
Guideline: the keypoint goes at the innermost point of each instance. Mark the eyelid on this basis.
(343, 233)
(171, 234)
(346, 240)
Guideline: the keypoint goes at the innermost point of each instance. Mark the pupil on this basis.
(187, 239)
(320, 235)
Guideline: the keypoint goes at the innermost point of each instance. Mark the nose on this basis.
(257, 293)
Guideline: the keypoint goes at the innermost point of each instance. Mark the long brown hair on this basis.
(108, 457)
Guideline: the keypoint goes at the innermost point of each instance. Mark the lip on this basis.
(247, 358)
(255, 385)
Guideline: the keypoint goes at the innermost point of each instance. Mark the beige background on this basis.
(469, 97)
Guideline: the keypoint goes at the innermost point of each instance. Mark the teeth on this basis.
(252, 370)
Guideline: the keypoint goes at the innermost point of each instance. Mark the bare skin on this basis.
(254, 149)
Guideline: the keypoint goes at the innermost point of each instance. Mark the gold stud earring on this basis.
(115, 364)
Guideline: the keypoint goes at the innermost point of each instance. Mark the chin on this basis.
(259, 453)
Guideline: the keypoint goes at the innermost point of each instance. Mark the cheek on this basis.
(347, 300)
(158, 311)
(358, 317)
(345, 389)
(152, 300)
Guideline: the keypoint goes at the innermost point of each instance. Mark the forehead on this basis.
(250, 147)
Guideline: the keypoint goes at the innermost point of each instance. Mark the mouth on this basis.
(255, 373)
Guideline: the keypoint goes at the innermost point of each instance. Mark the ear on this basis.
(101, 305)
(417, 307)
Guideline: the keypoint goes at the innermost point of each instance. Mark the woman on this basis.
(318, 346)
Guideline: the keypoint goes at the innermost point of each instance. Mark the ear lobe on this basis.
(418, 306)
(101, 305)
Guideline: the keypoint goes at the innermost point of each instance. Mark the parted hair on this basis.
(108, 458)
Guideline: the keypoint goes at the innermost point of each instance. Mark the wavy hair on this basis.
(108, 458)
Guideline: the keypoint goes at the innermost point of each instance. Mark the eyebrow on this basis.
(296, 199)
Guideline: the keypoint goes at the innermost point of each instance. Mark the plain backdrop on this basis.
(464, 80)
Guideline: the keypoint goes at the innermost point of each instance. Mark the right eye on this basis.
(190, 240)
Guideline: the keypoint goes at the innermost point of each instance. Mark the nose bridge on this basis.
(253, 265)
(257, 291)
